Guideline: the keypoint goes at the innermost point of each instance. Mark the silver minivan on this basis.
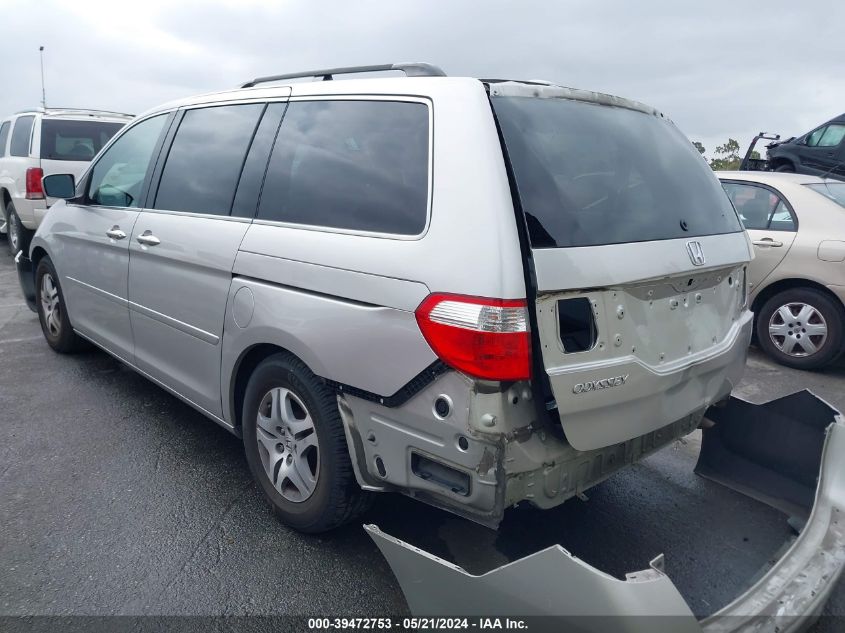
(474, 292)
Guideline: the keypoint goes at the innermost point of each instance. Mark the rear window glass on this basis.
(75, 140)
(20, 136)
(590, 174)
(356, 165)
(834, 191)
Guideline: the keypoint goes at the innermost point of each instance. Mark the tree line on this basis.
(725, 157)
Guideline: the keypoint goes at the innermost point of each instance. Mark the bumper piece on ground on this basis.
(787, 598)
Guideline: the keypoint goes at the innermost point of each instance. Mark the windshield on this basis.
(591, 174)
(62, 139)
(833, 190)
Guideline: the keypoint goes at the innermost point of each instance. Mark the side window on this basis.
(205, 159)
(832, 136)
(21, 135)
(814, 136)
(4, 136)
(760, 208)
(358, 165)
(118, 176)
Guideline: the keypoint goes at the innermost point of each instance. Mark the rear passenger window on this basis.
(357, 165)
(20, 136)
(760, 208)
(205, 159)
(4, 136)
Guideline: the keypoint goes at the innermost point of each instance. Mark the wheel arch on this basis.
(780, 161)
(790, 284)
(245, 365)
(38, 253)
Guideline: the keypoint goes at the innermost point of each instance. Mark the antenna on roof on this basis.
(43, 92)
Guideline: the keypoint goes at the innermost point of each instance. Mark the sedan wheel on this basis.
(287, 444)
(798, 329)
(801, 328)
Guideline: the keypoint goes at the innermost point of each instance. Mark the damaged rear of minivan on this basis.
(635, 273)
(637, 323)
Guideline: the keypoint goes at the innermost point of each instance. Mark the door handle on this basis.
(767, 241)
(115, 233)
(148, 239)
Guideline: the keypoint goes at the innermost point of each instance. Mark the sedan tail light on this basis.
(34, 188)
(485, 338)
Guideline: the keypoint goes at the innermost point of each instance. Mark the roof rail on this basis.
(84, 111)
(411, 69)
(89, 111)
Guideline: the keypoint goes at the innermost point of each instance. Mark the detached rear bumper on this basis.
(26, 278)
(552, 582)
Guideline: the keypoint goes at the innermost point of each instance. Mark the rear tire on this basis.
(16, 233)
(801, 328)
(296, 447)
(52, 311)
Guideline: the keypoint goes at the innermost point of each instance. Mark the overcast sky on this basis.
(718, 69)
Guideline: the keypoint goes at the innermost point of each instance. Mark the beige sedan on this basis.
(797, 278)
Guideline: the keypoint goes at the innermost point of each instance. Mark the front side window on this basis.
(814, 136)
(63, 139)
(832, 136)
(589, 174)
(21, 135)
(760, 208)
(353, 165)
(4, 136)
(117, 178)
(205, 159)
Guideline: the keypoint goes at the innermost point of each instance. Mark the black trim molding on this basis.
(412, 388)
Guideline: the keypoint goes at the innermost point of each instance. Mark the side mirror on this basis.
(59, 186)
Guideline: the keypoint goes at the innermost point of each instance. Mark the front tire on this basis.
(801, 328)
(296, 447)
(787, 168)
(52, 310)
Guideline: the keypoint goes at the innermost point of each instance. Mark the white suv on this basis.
(36, 143)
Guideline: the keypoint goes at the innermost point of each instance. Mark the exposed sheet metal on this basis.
(552, 582)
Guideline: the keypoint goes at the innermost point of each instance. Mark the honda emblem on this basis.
(696, 254)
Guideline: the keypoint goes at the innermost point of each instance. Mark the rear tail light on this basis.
(34, 188)
(485, 338)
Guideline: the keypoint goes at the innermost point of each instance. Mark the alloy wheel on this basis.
(287, 444)
(798, 329)
(14, 234)
(50, 305)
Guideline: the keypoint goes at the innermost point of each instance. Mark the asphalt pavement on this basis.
(116, 499)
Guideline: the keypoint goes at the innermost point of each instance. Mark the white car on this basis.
(37, 143)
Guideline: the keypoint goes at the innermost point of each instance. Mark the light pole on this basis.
(43, 92)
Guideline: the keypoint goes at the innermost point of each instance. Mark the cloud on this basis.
(718, 69)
